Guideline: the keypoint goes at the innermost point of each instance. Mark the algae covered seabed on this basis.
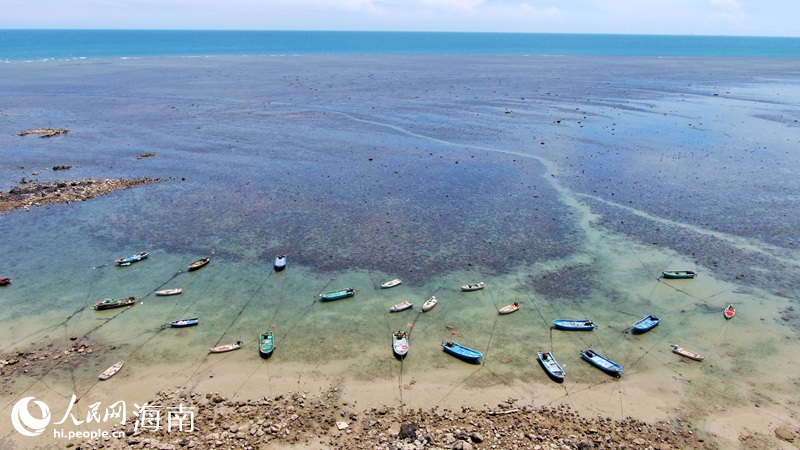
(565, 183)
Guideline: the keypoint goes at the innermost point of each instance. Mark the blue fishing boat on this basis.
(574, 324)
(646, 324)
(280, 263)
(184, 323)
(266, 344)
(602, 363)
(131, 259)
(461, 352)
(336, 295)
(551, 366)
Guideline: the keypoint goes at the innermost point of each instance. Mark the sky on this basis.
(684, 17)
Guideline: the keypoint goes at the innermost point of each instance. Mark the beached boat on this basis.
(183, 323)
(226, 347)
(111, 303)
(678, 274)
(400, 344)
(461, 352)
(391, 283)
(111, 371)
(689, 354)
(602, 363)
(429, 304)
(508, 309)
(336, 295)
(646, 324)
(473, 287)
(266, 344)
(280, 263)
(574, 324)
(729, 312)
(5, 281)
(551, 366)
(200, 263)
(167, 292)
(131, 259)
(401, 306)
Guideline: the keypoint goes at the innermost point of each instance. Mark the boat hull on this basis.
(114, 303)
(687, 354)
(266, 344)
(337, 295)
(199, 264)
(646, 324)
(400, 344)
(183, 323)
(280, 263)
(225, 348)
(678, 274)
(464, 353)
(111, 371)
(401, 307)
(602, 363)
(574, 324)
(551, 367)
(168, 292)
(429, 304)
(391, 284)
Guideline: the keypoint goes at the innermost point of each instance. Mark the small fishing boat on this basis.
(473, 287)
(167, 292)
(391, 283)
(266, 344)
(183, 323)
(400, 344)
(280, 263)
(646, 324)
(574, 324)
(678, 274)
(199, 264)
(689, 354)
(729, 312)
(226, 347)
(401, 306)
(5, 281)
(336, 295)
(602, 363)
(111, 303)
(551, 366)
(131, 259)
(429, 304)
(111, 371)
(508, 309)
(461, 352)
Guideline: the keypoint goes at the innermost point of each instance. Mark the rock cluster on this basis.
(31, 193)
(44, 132)
(41, 360)
(325, 421)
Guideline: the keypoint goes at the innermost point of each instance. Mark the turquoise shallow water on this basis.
(567, 184)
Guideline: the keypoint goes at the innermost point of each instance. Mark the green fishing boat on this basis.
(336, 295)
(267, 344)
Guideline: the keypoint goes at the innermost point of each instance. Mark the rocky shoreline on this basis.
(33, 193)
(327, 421)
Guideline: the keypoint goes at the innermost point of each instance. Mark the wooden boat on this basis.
(689, 354)
(185, 323)
(131, 259)
(336, 295)
(200, 263)
(602, 363)
(678, 274)
(5, 281)
(508, 309)
(111, 371)
(574, 324)
(226, 347)
(646, 324)
(266, 344)
(400, 344)
(110, 303)
(391, 283)
(280, 263)
(473, 287)
(166, 292)
(551, 366)
(401, 306)
(429, 304)
(461, 352)
(729, 312)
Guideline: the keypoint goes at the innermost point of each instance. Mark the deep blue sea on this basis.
(46, 44)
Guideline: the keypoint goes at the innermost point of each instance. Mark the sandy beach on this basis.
(545, 177)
